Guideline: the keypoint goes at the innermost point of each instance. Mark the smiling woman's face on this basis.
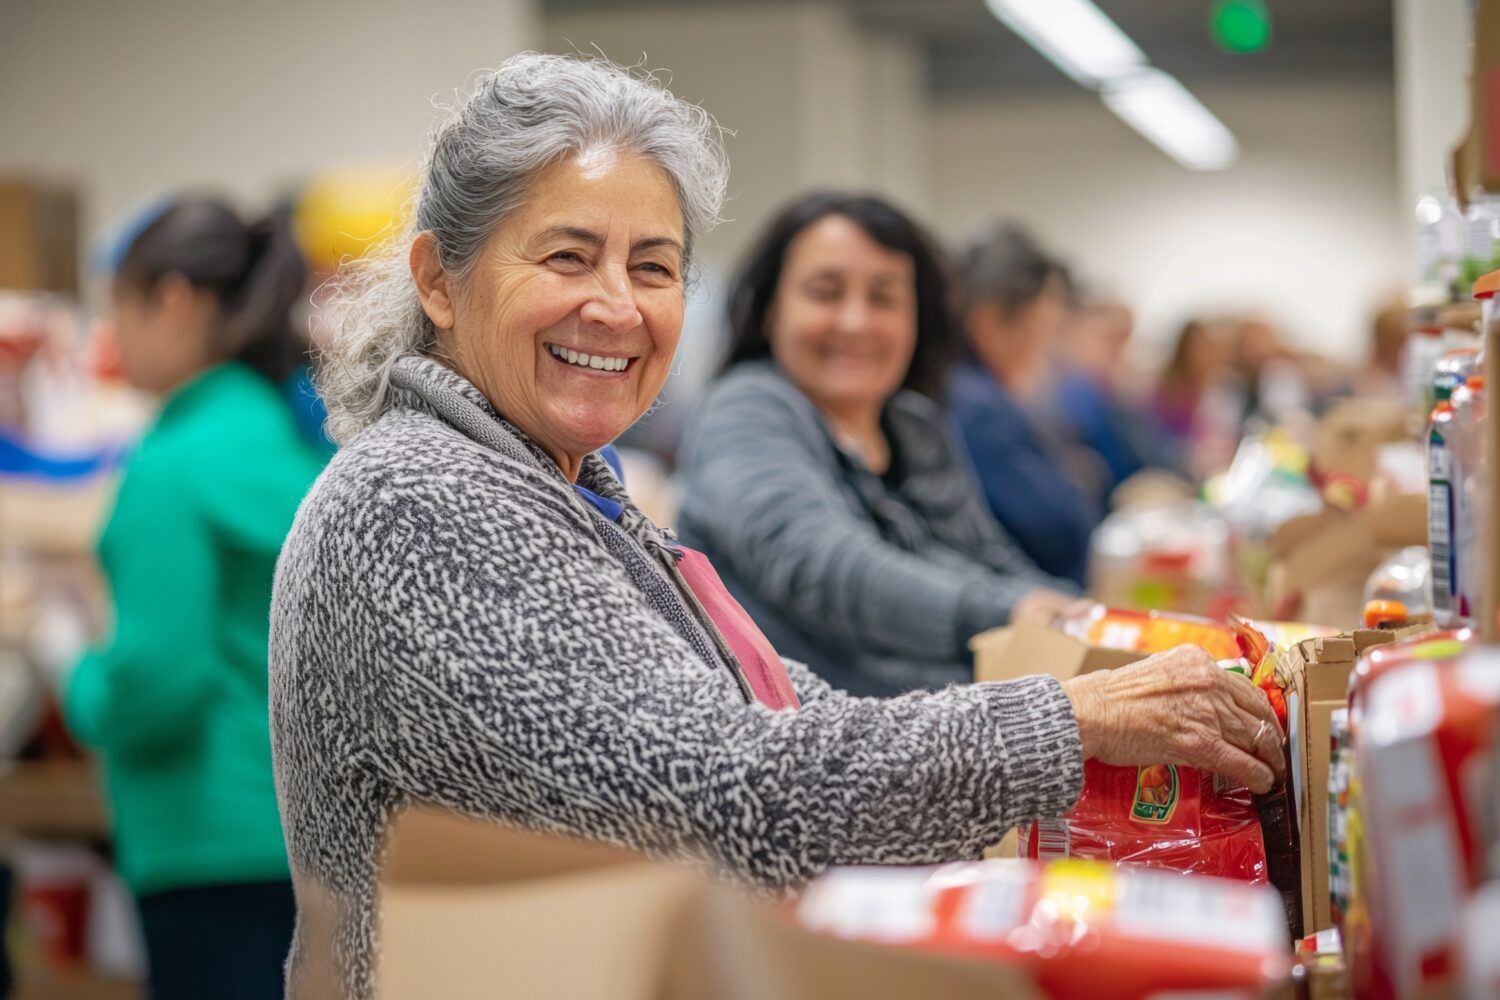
(570, 318)
(843, 324)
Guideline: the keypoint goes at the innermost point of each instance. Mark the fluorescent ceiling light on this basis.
(1156, 105)
(1076, 36)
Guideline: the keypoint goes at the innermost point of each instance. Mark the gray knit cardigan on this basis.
(452, 625)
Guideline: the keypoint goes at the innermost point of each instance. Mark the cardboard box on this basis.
(1349, 437)
(38, 236)
(51, 799)
(472, 909)
(1320, 670)
(1320, 562)
(1027, 648)
(1474, 166)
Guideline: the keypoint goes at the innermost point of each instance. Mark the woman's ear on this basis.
(434, 285)
(181, 307)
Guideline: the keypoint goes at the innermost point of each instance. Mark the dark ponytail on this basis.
(254, 272)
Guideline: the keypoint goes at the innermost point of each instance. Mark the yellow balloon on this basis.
(342, 214)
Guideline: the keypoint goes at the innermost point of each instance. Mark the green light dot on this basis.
(1241, 26)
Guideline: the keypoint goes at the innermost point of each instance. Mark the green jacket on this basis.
(176, 702)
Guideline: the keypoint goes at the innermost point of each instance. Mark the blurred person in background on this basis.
(1047, 497)
(1272, 382)
(820, 475)
(1090, 402)
(175, 701)
(1196, 373)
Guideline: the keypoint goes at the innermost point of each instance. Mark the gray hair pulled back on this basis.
(529, 113)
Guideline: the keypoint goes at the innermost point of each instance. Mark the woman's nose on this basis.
(613, 305)
(853, 315)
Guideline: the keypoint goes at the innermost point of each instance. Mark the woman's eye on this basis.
(567, 257)
(656, 268)
(822, 293)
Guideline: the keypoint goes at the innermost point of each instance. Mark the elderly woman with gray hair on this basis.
(470, 613)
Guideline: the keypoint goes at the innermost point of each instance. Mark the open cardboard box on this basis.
(1320, 562)
(1320, 685)
(472, 909)
(38, 235)
(1026, 649)
(1349, 437)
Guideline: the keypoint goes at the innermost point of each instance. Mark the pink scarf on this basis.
(763, 668)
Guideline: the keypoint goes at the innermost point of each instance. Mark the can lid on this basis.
(1380, 612)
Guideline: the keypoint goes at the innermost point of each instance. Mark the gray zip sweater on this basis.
(454, 626)
(876, 582)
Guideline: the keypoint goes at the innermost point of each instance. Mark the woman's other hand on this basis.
(1045, 607)
(1179, 707)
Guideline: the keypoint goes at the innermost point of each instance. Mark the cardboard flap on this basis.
(1398, 520)
(1027, 649)
(435, 847)
(471, 909)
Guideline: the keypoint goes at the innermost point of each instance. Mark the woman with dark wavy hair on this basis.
(821, 477)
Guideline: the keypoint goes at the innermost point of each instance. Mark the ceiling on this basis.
(970, 54)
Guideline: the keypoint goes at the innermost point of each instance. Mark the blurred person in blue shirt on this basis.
(1018, 302)
(1089, 403)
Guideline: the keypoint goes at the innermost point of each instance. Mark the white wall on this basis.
(1307, 224)
(135, 99)
(1432, 66)
(811, 100)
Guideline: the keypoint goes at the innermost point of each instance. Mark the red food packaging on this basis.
(1423, 751)
(1178, 818)
(1076, 928)
(1162, 816)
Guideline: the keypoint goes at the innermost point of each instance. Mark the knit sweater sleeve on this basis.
(761, 489)
(808, 685)
(505, 666)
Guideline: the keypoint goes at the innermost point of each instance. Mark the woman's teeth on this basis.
(593, 361)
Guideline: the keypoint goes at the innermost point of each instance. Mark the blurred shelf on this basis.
(61, 520)
(56, 798)
(51, 984)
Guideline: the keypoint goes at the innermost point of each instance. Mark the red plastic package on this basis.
(1076, 928)
(1178, 818)
(1162, 816)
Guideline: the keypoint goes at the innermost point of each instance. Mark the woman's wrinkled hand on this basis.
(1179, 707)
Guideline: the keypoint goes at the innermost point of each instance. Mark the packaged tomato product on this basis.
(1420, 814)
(1161, 816)
(1178, 818)
(1076, 928)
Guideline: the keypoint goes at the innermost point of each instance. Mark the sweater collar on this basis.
(423, 383)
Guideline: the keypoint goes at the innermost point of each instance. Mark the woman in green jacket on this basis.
(175, 700)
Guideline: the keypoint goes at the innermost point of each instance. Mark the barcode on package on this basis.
(1439, 503)
(1051, 839)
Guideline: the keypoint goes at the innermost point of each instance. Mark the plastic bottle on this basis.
(1452, 369)
(1397, 592)
(1470, 497)
(1440, 515)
